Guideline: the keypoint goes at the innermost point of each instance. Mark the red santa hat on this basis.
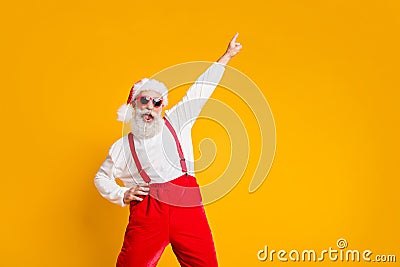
(125, 112)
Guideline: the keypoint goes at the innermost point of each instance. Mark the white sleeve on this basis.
(188, 109)
(106, 185)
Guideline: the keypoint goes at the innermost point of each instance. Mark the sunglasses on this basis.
(157, 102)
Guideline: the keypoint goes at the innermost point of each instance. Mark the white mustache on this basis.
(146, 112)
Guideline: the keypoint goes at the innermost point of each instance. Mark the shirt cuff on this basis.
(122, 194)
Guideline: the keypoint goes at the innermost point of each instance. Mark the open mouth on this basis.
(147, 117)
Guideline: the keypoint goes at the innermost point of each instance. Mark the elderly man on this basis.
(156, 165)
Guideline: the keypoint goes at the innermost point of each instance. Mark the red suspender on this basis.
(142, 173)
(178, 146)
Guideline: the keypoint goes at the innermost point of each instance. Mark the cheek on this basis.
(140, 106)
(158, 111)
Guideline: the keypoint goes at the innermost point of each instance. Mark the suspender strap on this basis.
(178, 145)
(142, 173)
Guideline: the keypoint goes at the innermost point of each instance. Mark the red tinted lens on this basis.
(157, 102)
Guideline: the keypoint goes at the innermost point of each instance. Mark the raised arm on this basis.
(188, 109)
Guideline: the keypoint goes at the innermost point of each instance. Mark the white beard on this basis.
(144, 130)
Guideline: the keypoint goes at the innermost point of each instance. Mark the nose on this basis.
(150, 105)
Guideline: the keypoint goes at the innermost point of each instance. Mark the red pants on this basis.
(153, 224)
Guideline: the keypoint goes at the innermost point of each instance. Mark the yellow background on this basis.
(329, 70)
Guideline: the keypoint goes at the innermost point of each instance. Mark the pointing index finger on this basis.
(234, 38)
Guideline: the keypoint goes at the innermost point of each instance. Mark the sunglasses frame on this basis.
(157, 102)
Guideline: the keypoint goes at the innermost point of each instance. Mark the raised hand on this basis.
(233, 49)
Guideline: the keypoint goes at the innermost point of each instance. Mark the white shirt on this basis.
(158, 155)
